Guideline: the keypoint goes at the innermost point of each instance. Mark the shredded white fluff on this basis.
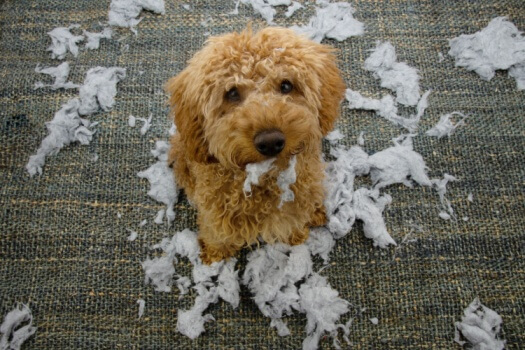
(16, 328)
(132, 235)
(99, 89)
(124, 13)
(396, 76)
(500, 45)
(332, 20)
(253, 172)
(163, 186)
(147, 124)
(286, 178)
(262, 7)
(93, 39)
(62, 41)
(334, 136)
(480, 327)
(374, 320)
(470, 197)
(321, 242)
(386, 108)
(361, 139)
(142, 306)
(292, 8)
(440, 185)
(60, 73)
(445, 126)
(132, 121)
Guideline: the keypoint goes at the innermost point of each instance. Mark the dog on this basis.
(244, 98)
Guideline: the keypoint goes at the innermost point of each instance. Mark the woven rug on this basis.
(63, 248)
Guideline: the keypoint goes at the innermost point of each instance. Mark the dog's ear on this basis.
(188, 117)
(332, 89)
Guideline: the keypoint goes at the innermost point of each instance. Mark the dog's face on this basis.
(246, 97)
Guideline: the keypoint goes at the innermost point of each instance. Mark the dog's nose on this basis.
(269, 142)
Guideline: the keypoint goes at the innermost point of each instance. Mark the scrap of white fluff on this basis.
(334, 136)
(159, 271)
(66, 127)
(440, 185)
(12, 334)
(99, 89)
(480, 327)
(445, 126)
(219, 279)
(500, 45)
(147, 124)
(321, 242)
(132, 121)
(132, 235)
(124, 13)
(142, 306)
(332, 20)
(386, 108)
(62, 41)
(396, 76)
(263, 8)
(292, 8)
(253, 172)
(93, 39)
(163, 185)
(397, 164)
(60, 73)
(286, 178)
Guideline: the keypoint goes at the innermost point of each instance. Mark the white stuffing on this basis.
(332, 20)
(66, 127)
(321, 242)
(292, 8)
(143, 223)
(98, 92)
(500, 45)
(440, 185)
(16, 328)
(480, 327)
(386, 108)
(374, 320)
(235, 11)
(60, 73)
(132, 235)
(286, 178)
(470, 197)
(441, 58)
(62, 41)
(280, 326)
(142, 305)
(124, 13)
(99, 89)
(334, 136)
(445, 126)
(93, 39)
(187, 7)
(253, 172)
(361, 139)
(397, 164)
(263, 8)
(132, 121)
(396, 76)
(163, 187)
(147, 124)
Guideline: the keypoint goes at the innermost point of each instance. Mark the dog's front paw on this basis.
(299, 236)
(211, 254)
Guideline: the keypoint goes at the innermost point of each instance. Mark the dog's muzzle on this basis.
(269, 142)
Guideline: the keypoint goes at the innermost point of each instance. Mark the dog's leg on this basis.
(318, 218)
(299, 236)
(213, 251)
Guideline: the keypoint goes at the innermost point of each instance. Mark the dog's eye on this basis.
(286, 87)
(233, 95)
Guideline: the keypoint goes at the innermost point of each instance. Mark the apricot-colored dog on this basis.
(244, 98)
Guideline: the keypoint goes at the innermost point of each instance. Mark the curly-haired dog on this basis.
(244, 98)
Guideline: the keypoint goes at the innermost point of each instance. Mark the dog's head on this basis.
(249, 96)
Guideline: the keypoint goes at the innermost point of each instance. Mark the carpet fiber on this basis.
(64, 252)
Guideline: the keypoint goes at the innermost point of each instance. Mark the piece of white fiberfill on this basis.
(292, 8)
(62, 41)
(500, 45)
(262, 7)
(445, 126)
(285, 179)
(332, 20)
(60, 73)
(147, 124)
(142, 306)
(398, 164)
(99, 89)
(387, 108)
(440, 185)
(163, 186)
(253, 172)
(479, 327)
(396, 76)
(124, 13)
(93, 39)
(16, 328)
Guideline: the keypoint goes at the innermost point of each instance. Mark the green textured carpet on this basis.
(64, 251)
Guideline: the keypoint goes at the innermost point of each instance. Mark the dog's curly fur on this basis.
(215, 138)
